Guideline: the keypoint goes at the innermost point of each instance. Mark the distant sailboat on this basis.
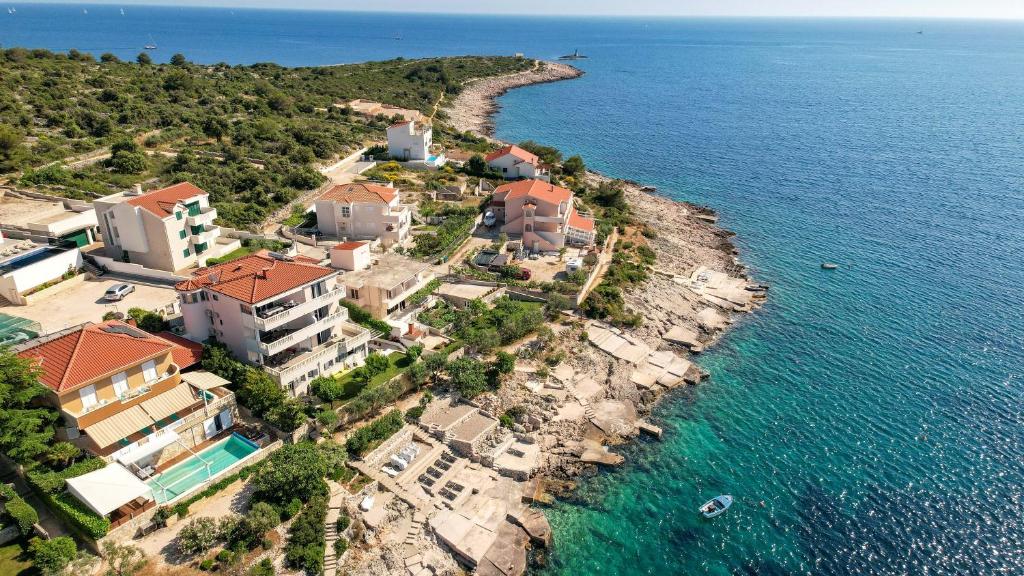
(574, 56)
(151, 45)
(84, 11)
(122, 11)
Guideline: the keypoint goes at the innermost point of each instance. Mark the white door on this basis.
(120, 384)
(210, 427)
(149, 371)
(88, 396)
(225, 419)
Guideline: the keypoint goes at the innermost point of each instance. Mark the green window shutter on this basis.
(177, 215)
(181, 234)
(186, 252)
(198, 229)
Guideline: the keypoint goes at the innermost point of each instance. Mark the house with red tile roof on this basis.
(121, 393)
(543, 215)
(167, 229)
(277, 312)
(514, 163)
(363, 211)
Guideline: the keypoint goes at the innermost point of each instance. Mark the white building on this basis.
(275, 311)
(47, 221)
(25, 265)
(167, 229)
(363, 211)
(411, 142)
(350, 256)
(385, 287)
(514, 163)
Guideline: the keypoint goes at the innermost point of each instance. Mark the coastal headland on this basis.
(610, 379)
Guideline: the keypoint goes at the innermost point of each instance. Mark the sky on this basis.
(995, 9)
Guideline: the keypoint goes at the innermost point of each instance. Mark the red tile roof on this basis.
(535, 189)
(185, 353)
(580, 222)
(161, 202)
(349, 245)
(83, 354)
(516, 151)
(256, 277)
(360, 192)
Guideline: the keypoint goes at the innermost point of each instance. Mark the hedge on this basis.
(361, 316)
(23, 514)
(77, 515)
(52, 482)
(421, 294)
(374, 433)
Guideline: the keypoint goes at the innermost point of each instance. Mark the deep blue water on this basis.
(874, 410)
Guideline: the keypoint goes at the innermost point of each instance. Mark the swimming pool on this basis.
(184, 477)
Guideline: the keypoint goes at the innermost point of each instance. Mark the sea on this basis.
(867, 420)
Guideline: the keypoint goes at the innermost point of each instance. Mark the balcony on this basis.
(104, 408)
(288, 366)
(279, 340)
(208, 236)
(283, 312)
(205, 217)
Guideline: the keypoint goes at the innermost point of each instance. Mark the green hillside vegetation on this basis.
(248, 135)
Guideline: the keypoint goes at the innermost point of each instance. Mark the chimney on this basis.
(137, 190)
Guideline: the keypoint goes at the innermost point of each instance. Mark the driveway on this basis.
(84, 302)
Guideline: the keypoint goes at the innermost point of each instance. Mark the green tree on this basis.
(417, 373)
(52, 556)
(547, 154)
(107, 57)
(250, 530)
(26, 431)
(143, 59)
(414, 351)
(129, 163)
(476, 165)
(468, 376)
(198, 536)
(294, 471)
(12, 153)
(435, 364)
(62, 453)
(178, 60)
(376, 364)
(573, 166)
(123, 559)
(504, 362)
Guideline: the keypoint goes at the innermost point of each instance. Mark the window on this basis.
(181, 234)
(504, 170)
(120, 384)
(198, 229)
(177, 215)
(354, 294)
(319, 289)
(149, 371)
(186, 253)
(88, 396)
(346, 212)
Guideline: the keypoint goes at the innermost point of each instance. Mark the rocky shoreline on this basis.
(474, 108)
(610, 378)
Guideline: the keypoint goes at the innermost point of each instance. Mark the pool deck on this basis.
(198, 448)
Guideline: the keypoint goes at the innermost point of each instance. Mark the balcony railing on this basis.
(352, 336)
(133, 393)
(292, 337)
(205, 216)
(206, 236)
(277, 315)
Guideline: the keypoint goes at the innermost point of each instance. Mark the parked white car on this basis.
(118, 292)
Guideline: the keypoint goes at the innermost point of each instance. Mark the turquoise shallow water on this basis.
(875, 410)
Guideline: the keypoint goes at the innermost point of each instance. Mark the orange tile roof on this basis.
(535, 189)
(360, 192)
(525, 156)
(185, 353)
(349, 245)
(161, 202)
(256, 277)
(580, 222)
(83, 354)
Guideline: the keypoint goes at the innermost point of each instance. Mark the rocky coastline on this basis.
(474, 108)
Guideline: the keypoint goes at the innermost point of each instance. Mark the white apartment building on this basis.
(363, 211)
(385, 287)
(275, 311)
(409, 141)
(167, 229)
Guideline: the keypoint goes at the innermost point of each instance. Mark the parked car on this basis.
(524, 273)
(118, 292)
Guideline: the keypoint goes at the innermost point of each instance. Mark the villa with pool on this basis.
(125, 396)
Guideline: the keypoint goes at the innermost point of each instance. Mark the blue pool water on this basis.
(182, 478)
(875, 410)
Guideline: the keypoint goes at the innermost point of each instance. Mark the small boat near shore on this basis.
(648, 189)
(829, 266)
(574, 56)
(716, 506)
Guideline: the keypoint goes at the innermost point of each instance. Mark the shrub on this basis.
(289, 510)
(51, 557)
(361, 316)
(343, 522)
(225, 556)
(294, 471)
(305, 548)
(77, 515)
(199, 535)
(327, 388)
(250, 530)
(264, 567)
(181, 509)
(340, 546)
(206, 565)
(414, 413)
(148, 321)
(362, 440)
(23, 514)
